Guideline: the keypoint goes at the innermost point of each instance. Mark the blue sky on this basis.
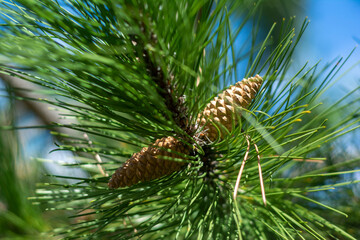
(334, 30)
(334, 27)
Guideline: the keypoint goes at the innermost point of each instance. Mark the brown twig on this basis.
(237, 184)
(260, 176)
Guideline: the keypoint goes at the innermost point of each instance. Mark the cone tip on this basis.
(258, 77)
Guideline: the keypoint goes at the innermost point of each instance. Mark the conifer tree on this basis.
(185, 144)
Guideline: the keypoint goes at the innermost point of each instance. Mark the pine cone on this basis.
(147, 164)
(221, 109)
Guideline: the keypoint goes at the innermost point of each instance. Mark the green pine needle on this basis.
(104, 64)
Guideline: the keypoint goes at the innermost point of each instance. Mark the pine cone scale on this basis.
(148, 164)
(221, 109)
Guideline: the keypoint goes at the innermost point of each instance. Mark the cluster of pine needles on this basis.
(132, 72)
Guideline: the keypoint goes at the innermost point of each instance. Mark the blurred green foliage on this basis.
(19, 217)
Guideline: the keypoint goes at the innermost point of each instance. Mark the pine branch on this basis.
(164, 84)
(131, 74)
